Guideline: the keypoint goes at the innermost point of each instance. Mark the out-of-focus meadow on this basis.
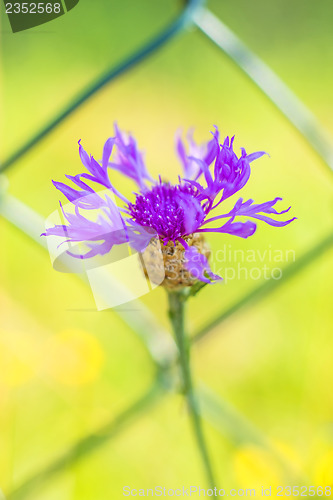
(65, 369)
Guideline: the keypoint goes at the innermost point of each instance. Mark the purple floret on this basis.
(173, 211)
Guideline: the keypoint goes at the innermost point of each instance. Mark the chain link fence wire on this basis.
(157, 342)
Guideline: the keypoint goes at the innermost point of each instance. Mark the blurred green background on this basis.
(65, 370)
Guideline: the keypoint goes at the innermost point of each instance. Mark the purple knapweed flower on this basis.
(177, 214)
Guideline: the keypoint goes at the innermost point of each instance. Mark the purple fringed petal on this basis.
(98, 173)
(100, 236)
(272, 222)
(128, 159)
(193, 215)
(87, 198)
(255, 156)
(250, 207)
(107, 151)
(212, 147)
(70, 193)
(247, 209)
(139, 237)
(95, 249)
(198, 266)
(57, 230)
(230, 173)
(181, 151)
(254, 210)
(205, 153)
(241, 229)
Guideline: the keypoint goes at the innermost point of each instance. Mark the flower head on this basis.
(177, 214)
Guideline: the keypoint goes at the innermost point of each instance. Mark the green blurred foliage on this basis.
(272, 361)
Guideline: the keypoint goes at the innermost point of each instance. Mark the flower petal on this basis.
(98, 173)
(129, 159)
(197, 157)
(107, 151)
(198, 266)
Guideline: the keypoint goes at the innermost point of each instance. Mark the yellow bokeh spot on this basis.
(75, 358)
(16, 360)
(14, 371)
(255, 467)
(290, 457)
(324, 471)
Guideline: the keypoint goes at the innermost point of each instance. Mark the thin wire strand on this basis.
(267, 81)
(89, 443)
(160, 346)
(269, 286)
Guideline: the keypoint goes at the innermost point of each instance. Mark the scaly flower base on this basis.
(173, 265)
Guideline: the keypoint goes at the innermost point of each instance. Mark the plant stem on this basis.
(177, 302)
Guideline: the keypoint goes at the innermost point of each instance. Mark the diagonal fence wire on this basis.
(90, 443)
(177, 26)
(267, 81)
(262, 291)
(160, 346)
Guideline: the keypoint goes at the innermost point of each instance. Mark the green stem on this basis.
(177, 302)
